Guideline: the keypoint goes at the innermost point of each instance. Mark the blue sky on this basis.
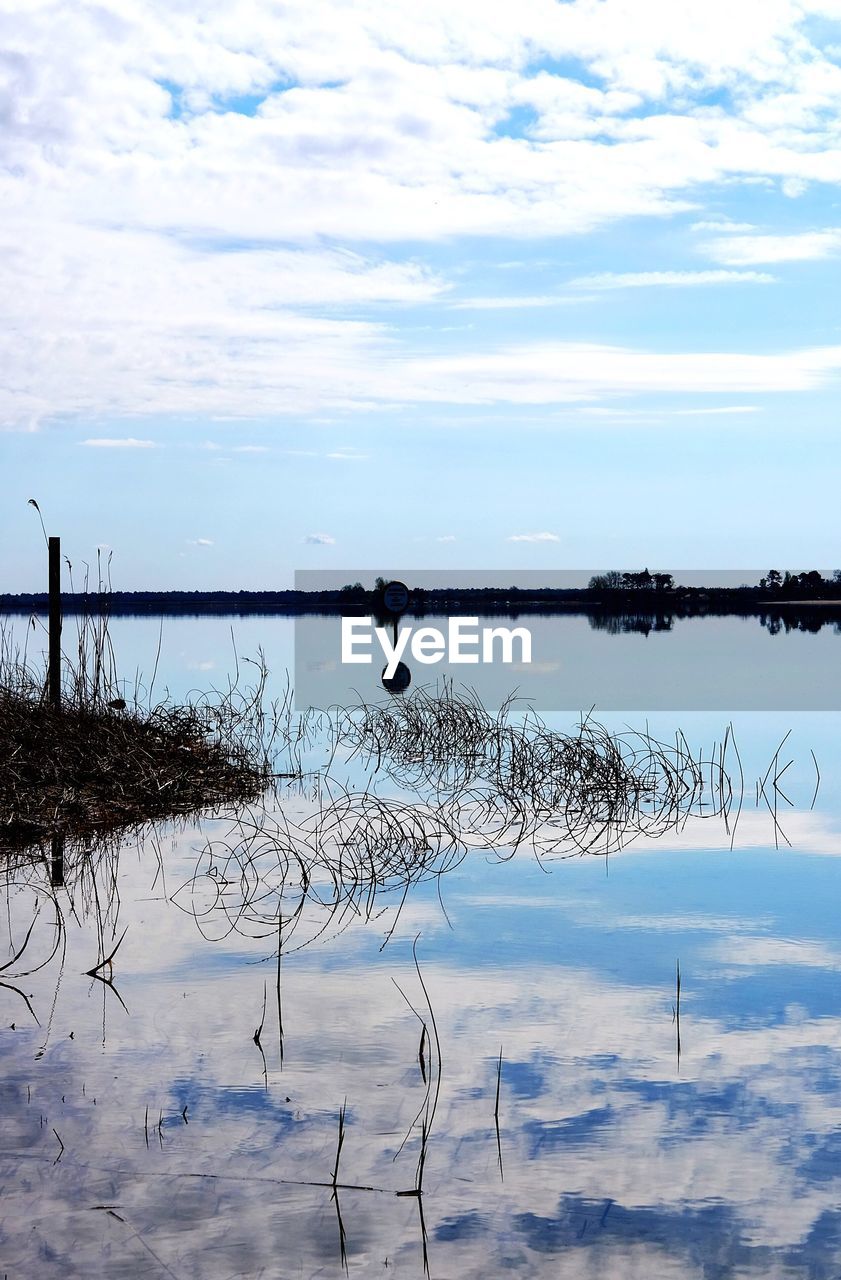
(470, 286)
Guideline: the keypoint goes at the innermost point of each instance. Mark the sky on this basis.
(464, 285)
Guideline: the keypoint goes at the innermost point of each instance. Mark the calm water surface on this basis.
(144, 1131)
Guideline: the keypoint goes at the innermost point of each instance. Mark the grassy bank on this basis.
(99, 762)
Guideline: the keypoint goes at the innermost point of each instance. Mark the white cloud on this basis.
(533, 537)
(794, 187)
(647, 279)
(446, 537)
(722, 224)
(177, 329)
(120, 443)
(165, 253)
(346, 455)
(799, 247)
(758, 952)
(514, 302)
(319, 540)
(547, 373)
(810, 833)
(200, 542)
(651, 415)
(292, 366)
(719, 409)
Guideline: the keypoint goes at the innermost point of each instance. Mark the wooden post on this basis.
(55, 622)
(57, 860)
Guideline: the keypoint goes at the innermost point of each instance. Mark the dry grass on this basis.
(81, 770)
(101, 763)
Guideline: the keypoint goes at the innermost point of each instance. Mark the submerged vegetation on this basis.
(439, 777)
(401, 791)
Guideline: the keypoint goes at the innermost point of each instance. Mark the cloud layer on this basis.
(208, 209)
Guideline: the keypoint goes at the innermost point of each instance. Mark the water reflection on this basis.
(171, 1094)
(631, 623)
(192, 1154)
(777, 620)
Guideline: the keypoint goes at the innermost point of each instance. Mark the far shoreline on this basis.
(675, 603)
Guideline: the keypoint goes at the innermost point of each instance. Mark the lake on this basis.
(506, 1034)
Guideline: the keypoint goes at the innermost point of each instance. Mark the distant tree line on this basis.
(644, 581)
(804, 586)
(629, 592)
(810, 585)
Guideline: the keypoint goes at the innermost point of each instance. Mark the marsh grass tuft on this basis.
(104, 761)
(443, 778)
(82, 770)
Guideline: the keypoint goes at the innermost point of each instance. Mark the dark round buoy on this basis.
(400, 681)
(396, 597)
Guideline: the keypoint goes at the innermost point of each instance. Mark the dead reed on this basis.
(82, 770)
(101, 762)
(444, 776)
(506, 781)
